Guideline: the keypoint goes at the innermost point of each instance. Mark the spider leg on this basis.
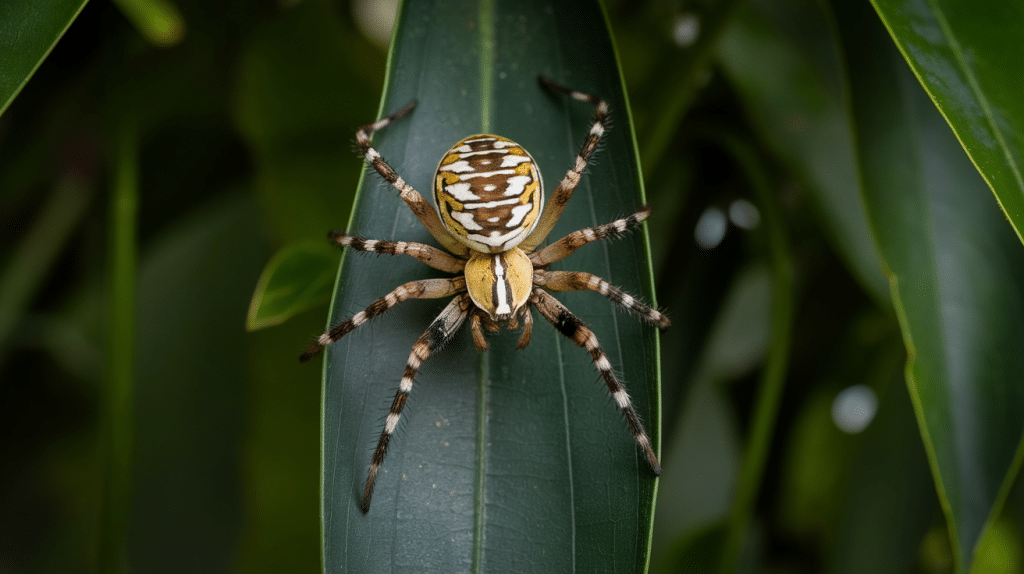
(419, 206)
(524, 338)
(580, 281)
(432, 256)
(570, 326)
(568, 245)
(422, 289)
(479, 340)
(441, 330)
(563, 192)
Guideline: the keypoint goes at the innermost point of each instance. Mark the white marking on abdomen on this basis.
(498, 203)
(495, 240)
(487, 173)
(460, 191)
(460, 166)
(516, 184)
(513, 160)
(518, 213)
(466, 151)
(467, 220)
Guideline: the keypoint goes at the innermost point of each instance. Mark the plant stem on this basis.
(116, 438)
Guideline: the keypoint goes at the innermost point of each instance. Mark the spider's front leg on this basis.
(441, 330)
(569, 325)
(419, 206)
(563, 193)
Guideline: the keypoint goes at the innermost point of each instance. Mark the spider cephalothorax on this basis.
(489, 217)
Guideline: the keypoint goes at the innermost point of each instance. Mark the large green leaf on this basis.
(967, 57)
(956, 272)
(28, 31)
(504, 461)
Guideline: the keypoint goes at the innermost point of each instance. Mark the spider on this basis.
(489, 192)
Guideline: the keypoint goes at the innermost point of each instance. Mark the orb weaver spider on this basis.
(489, 193)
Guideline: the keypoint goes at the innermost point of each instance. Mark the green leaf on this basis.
(28, 31)
(159, 21)
(967, 57)
(297, 278)
(783, 64)
(956, 272)
(506, 460)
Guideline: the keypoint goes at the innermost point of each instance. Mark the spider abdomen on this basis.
(489, 193)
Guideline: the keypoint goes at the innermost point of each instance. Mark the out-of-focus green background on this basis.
(244, 115)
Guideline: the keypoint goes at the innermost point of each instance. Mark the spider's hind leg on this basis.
(570, 326)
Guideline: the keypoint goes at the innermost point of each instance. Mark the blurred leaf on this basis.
(504, 461)
(297, 278)
(38, 251)
(956, 272)
(888, 502)
(306, 82)
(698, 552)
(28, 31)
(1000, 550)
(159, 21)
(782, 61)
(968, 58)
(191, 390)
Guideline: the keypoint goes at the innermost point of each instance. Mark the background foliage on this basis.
(821, 239)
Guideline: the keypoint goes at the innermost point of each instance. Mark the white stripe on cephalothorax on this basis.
(500, 291)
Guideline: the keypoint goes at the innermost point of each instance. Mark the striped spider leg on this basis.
(490, 218)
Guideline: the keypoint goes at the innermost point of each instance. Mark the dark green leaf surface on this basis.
(505, 461)
(967, 55)
(298, 277)
(28, 31)
(957, 276)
